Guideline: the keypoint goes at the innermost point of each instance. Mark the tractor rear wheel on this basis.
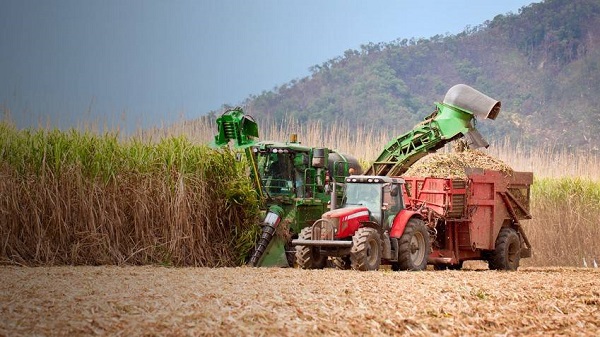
(507, 254)
(309, 257)
(414, 246)
(366, 249)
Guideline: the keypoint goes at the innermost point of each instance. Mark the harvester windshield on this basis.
(277, 172)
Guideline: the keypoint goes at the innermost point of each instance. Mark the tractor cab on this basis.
(381, 195)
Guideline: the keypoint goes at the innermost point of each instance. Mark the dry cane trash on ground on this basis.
(243, 301)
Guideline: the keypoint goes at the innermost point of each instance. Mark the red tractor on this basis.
(444, 222)
(373, 224)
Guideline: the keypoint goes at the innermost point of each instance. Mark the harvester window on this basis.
(278, 173)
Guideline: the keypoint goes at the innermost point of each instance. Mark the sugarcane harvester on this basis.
(440, 221)
(294, 183)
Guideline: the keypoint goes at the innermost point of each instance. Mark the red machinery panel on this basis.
(443, 196)
(483, 199)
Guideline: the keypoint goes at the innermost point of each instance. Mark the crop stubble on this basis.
(292, 302)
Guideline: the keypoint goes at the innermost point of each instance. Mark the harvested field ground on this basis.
(129, 301)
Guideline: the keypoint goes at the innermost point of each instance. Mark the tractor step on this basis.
(322, 243)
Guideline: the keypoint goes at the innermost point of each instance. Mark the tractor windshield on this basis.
(368, 195)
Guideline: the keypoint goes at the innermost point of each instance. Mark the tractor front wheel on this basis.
(414, 246)
(366, 249)
(309, 257)
(507, 254)
(341, 262)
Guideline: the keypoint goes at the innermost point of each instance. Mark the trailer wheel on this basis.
(366, 249)
(507, 253)
(414, 246)
(341, 262)
(309, 257)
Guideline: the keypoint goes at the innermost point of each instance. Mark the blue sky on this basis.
(139, 63)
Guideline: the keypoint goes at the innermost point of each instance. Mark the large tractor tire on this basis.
(366, 249)
(309, 257)
(507, 254)
(342, 263)
(414, 246)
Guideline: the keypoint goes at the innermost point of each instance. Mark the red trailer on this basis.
(474, 217)
(437, 221)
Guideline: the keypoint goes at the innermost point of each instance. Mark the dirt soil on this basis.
(158, 301)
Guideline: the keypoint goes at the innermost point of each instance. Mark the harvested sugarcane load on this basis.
(453, 164)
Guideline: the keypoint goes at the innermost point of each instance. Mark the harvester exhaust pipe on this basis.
(466, 98)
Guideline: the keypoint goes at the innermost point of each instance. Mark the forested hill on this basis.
(542, 63)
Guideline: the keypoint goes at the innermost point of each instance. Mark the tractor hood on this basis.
(347, 220)
(348, 213)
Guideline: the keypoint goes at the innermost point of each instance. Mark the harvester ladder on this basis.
(310, 182)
